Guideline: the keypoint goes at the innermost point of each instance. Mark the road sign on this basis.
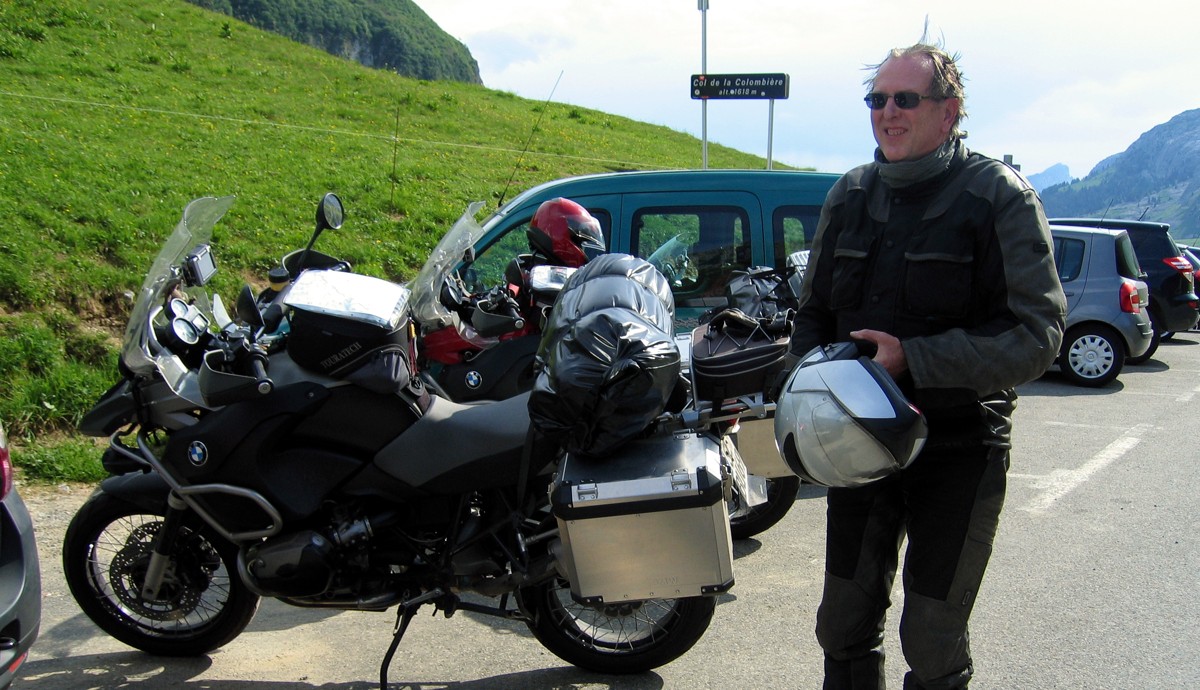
(708, 86)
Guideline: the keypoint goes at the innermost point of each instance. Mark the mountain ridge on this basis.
(395, 35)
(1156, 178)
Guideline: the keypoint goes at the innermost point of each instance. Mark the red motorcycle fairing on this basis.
(448, 346)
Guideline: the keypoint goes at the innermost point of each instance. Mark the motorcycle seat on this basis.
(478, 440)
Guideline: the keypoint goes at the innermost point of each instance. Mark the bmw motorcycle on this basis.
(481, 346)
(268, 453)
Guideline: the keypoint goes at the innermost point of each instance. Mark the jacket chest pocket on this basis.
(849, 276)
(939, 284)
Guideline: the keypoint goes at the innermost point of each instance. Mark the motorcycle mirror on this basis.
(247, 309)
(329, 213)
(329, 217)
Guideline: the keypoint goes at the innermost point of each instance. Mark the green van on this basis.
(696, 226)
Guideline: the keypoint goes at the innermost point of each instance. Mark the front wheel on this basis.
(202, 603)
(623, 637)
(1092, 355)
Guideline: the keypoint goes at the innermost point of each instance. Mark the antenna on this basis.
(1106, 210)
(528, 141)
(1144, 212)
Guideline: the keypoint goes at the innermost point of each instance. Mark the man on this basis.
(939, 260)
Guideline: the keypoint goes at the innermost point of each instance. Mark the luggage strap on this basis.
(741, 328)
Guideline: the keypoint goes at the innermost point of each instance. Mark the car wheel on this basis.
(1092, 355)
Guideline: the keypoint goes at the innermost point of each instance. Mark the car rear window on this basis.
(1154, 244)
(1127, 261)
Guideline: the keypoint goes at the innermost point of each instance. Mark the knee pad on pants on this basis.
(849, 621)
(935, 642)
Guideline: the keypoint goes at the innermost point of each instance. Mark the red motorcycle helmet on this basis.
(564, 232)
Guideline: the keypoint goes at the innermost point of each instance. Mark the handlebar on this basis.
(504, 307)
(234, 370)
(496, 313)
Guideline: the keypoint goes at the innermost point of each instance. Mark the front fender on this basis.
(147, 490)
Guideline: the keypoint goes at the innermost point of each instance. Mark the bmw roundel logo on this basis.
(473, 379)
(198, 453)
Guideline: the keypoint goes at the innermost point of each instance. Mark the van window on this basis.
(696, 247)
(490, 261)
(1068, 256)
(792, 229)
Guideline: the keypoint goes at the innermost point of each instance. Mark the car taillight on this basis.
(1179, 264)
(6, 472)
(1130, 302)
(16, 663)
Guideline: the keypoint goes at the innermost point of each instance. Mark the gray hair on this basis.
(947, 80)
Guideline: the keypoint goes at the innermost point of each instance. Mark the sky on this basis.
(1047, 81)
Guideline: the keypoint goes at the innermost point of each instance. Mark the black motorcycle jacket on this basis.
(959, 268)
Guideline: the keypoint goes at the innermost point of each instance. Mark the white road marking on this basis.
(1059, 483)
(1187, 397)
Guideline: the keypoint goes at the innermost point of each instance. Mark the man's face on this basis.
(906, 135)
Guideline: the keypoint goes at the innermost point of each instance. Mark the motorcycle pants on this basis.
(948, 504)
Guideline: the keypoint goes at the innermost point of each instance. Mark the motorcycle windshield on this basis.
(669, 254)
(140, 351)
(445, 257)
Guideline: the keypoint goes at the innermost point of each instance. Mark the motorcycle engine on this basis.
(294, 565)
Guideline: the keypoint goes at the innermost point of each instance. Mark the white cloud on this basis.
(1048, 82)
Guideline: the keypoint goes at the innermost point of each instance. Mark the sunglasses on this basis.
(905, 100)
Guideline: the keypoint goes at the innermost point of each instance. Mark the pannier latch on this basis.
(681, 480)
(587, 492)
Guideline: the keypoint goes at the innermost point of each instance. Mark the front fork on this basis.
(160, 559)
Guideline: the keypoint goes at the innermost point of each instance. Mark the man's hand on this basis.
(889, 353)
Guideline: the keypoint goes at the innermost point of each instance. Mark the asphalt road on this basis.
(1093, 583)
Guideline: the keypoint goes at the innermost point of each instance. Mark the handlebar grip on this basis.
(515, 314)
(508, 309)
(263, 383)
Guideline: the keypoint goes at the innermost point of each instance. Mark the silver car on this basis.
(20, 578)
(1106, 303)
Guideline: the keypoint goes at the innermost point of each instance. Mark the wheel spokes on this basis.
(195, 589)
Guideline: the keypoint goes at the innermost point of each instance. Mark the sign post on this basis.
(702, 5)
(770, 87)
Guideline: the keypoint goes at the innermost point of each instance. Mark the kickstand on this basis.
(404, 616)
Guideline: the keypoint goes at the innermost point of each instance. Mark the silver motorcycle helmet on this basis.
(841, 421)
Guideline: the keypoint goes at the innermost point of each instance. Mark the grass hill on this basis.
(115, 113)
